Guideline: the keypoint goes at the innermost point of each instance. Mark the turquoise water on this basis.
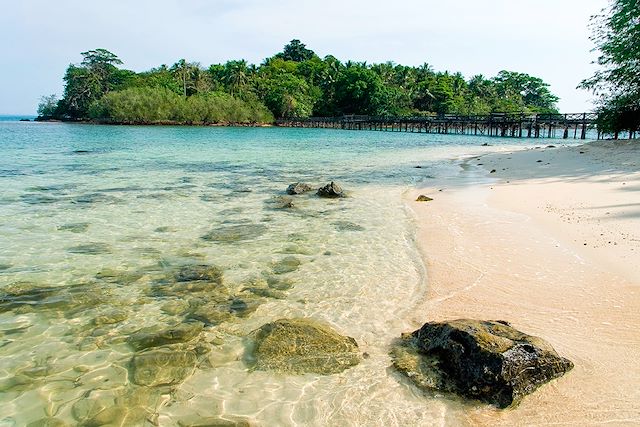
(99, 225)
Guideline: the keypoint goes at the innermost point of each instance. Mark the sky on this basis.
(544, 38)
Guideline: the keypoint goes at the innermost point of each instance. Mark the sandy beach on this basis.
(549, 241)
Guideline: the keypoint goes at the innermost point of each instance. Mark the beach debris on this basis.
(485, 360)
(331, 190)
(298, 188)
(423, 198)
(162, 366)
(301, 345)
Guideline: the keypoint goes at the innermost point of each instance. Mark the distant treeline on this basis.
(293, 83)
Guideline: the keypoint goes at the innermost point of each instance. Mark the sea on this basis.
(104, 229)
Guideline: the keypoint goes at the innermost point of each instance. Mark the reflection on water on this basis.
(136, 261)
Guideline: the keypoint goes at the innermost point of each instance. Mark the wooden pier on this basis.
(514, 125)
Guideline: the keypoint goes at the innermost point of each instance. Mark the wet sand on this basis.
(550, 242)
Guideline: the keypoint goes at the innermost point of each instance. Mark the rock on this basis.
(215, 422)
(48, 422)
(90, 249)
(484, 360)
(331, 190)
(192, 273)
(286, 265)
(74, 227)
(423, 198)
(245, 305)
(110, 317)
(235, 233)
(347, 226)
(299, 346)
(162, 366)
(211, 314)
(493, 171)
(266, 292)
(280, 202)
(298, 188)
(155, 336)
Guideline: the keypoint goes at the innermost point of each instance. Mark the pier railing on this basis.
(517, 125)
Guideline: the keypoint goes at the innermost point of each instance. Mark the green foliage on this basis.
(48, 106)
(293, 83)
(148, 105)
(616, 34)
(296, 51)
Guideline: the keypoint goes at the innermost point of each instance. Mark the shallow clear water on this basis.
(97, 225)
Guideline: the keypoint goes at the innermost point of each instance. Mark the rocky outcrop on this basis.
(331, 191)
(299, 346)
(485, 360)
(298, 188)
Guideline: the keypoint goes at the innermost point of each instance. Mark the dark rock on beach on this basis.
(298, 188)
(485, 360)
(423, 198)
(331, 190)
(298, 346)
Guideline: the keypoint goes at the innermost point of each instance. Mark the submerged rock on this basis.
(162, 366)
(331, 190)
(211, 314)
(48, 422)
(90, 249)
(155, 336)
(280, 202)
(298, 188)
(299, 346)
(75, 227)
(235, 233)
(485, 360)
(110, 317)
(286, 265)
(347, 226)
(214, 422)
(196, 272)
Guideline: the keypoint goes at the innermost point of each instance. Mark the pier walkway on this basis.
(514, 125)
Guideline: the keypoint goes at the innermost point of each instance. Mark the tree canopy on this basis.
(616, 35)
(292, 83)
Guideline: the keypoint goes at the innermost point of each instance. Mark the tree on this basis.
(47, 107)
(296, 51)
(96, 75)
(616, 35)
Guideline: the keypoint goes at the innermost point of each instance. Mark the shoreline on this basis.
(550, 242)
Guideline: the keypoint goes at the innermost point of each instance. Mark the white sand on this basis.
(554, 248)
